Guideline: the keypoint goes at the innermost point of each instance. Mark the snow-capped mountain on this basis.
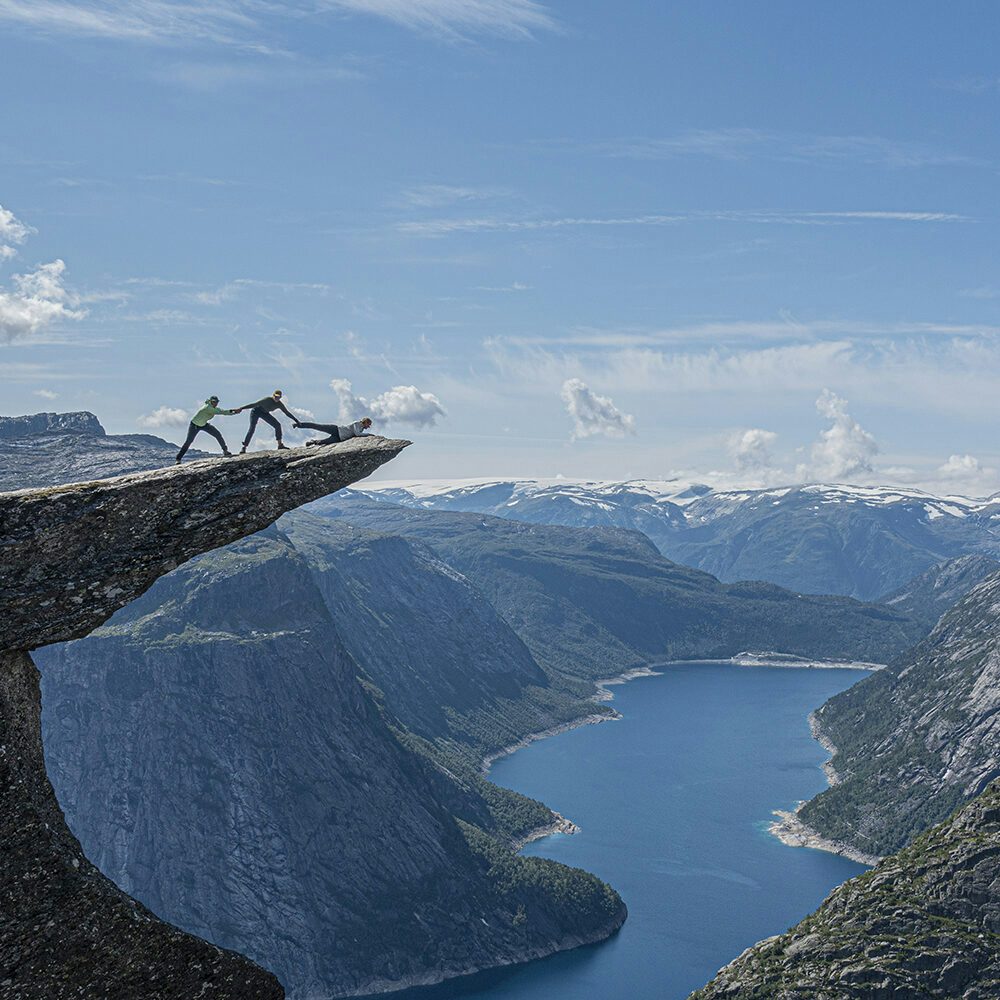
(862, 541)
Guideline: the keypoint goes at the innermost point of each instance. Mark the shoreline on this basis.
(559, 823)
(780, 661)
(793, 832)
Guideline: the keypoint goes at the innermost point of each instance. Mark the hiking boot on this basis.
(243, 450)
(177, 461)
(227, 454)
(282, 447)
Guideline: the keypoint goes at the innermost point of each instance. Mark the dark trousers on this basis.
(330, 429)
(192, 433)
(256, 415)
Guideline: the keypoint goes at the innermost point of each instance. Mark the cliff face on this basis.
(427, 638)
(72, 555)
(218, 757)
(64, 927)
(928, 596)
(924, 923)
(916, 740)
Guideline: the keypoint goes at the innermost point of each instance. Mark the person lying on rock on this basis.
(262, 410)
(337, 432)
(200, 422)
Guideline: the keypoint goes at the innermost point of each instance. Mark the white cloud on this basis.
(164, 416)
(12, 231)
(403, 404)
(38, 300)
(961, 466)
(594, 415)
(47, 394)
(845, 449)
(751, 449)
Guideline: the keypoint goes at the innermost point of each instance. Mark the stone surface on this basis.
(72, 555)
(65, 930)
(924, 923)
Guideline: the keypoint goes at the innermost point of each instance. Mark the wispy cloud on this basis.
(733, 332)
(440, 195)
(748, 143)
(244, 23)
(230, 290)
(457, 18)
(159, 21)
(498, 224)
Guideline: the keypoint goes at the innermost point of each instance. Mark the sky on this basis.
(747, 243)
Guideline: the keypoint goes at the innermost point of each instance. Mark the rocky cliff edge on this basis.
(71, 556)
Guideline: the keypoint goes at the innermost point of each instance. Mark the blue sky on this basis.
(744, 242)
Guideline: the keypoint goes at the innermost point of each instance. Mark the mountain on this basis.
(218, 752)
(928, 596)
(73, 555)
(225, 759)
(917, 739)
(925, 923)
(47, 449)
(593, 603)
(862, 542)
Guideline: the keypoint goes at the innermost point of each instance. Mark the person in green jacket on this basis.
(200, 422)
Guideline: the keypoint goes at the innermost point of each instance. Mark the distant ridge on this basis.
(858, 541)
(77, 422)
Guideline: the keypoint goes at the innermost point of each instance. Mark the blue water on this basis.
(673, 803)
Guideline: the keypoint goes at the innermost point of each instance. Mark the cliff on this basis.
(925, 923)
(224, 758)
(72, 556)
(918, 739)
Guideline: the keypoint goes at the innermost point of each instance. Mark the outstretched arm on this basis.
(284, 409)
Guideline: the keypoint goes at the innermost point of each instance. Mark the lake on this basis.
(673, 804)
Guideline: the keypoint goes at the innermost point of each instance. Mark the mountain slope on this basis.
(925, 923)
(861, 542)
(216, 755)
(428, 639)
(919, 738)
(928, 596)
(592, 603)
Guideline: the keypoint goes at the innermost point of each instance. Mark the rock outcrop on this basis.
(923, 924)
(72, 555)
